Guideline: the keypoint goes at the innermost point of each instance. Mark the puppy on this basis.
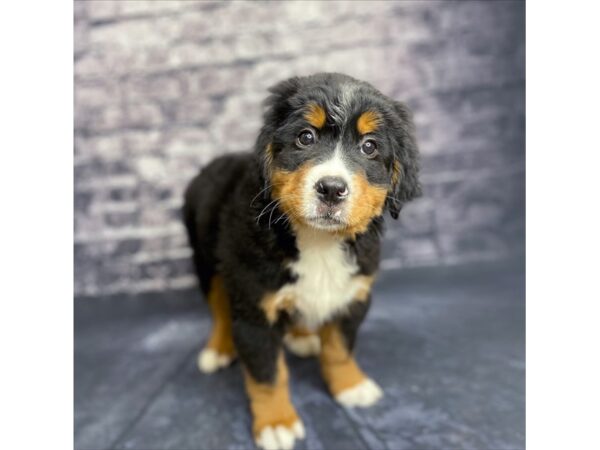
(286, 240)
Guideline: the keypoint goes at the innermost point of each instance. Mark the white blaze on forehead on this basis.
(348, 94)
(335, 166)
(341, 110)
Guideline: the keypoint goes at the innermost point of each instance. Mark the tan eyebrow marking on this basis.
(315, 115)
(368, 122)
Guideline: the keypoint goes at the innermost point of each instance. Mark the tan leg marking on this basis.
(274, 303)
(270, 403)
(366, 281)
(302, 342)
(220, 349)
(348, 384)
(221, 338)
(300, 331)
(338, 366)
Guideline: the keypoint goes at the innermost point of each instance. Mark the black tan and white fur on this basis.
(286, 240)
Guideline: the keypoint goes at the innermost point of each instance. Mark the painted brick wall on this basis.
(161, 87)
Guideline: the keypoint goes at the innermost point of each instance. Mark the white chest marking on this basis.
(325, 283)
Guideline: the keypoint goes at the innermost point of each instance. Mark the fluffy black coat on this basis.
(235, 230)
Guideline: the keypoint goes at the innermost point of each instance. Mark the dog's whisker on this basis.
(264, 210)
(271, 215)
(266, 188)
(260, 192)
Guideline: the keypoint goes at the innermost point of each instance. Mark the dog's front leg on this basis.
(346, 381)
(276, 423)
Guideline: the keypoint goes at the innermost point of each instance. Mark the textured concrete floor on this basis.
(446, 345)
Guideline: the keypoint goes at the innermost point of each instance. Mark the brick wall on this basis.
(161, 87)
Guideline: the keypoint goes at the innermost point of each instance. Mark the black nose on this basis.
(331, 190)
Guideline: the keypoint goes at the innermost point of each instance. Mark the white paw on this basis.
(365, 393)
(303, 345)
(209, 360)
(280, 437)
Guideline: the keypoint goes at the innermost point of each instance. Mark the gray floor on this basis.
(446, 345)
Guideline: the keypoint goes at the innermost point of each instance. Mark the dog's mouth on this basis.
(325, 223)
(326, 217)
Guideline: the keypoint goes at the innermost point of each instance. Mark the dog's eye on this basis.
(306, 138)
(369, 148)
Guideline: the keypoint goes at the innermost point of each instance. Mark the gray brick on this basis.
(95, 94)
(79, 11)
(99, 10)
(144, 115)
(153, 87)
(141, 142)
(100, 119)
(153, 7)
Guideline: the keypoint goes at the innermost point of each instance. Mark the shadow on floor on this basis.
(447, 345)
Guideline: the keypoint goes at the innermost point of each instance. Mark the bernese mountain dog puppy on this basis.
(286, 240)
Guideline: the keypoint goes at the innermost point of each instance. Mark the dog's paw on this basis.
(303, 346)
(280, 437)
(209, 360)
(365, 393)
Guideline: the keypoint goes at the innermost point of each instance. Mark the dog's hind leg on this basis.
(219, 351)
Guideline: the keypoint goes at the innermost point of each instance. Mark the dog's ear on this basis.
(405, 167)
(278, 104)
(277, 108)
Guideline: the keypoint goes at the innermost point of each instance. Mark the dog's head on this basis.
(335, 152)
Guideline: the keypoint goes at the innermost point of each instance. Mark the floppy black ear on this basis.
(405, 168)
(277, 109)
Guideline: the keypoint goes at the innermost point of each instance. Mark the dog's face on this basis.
(335, 152)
